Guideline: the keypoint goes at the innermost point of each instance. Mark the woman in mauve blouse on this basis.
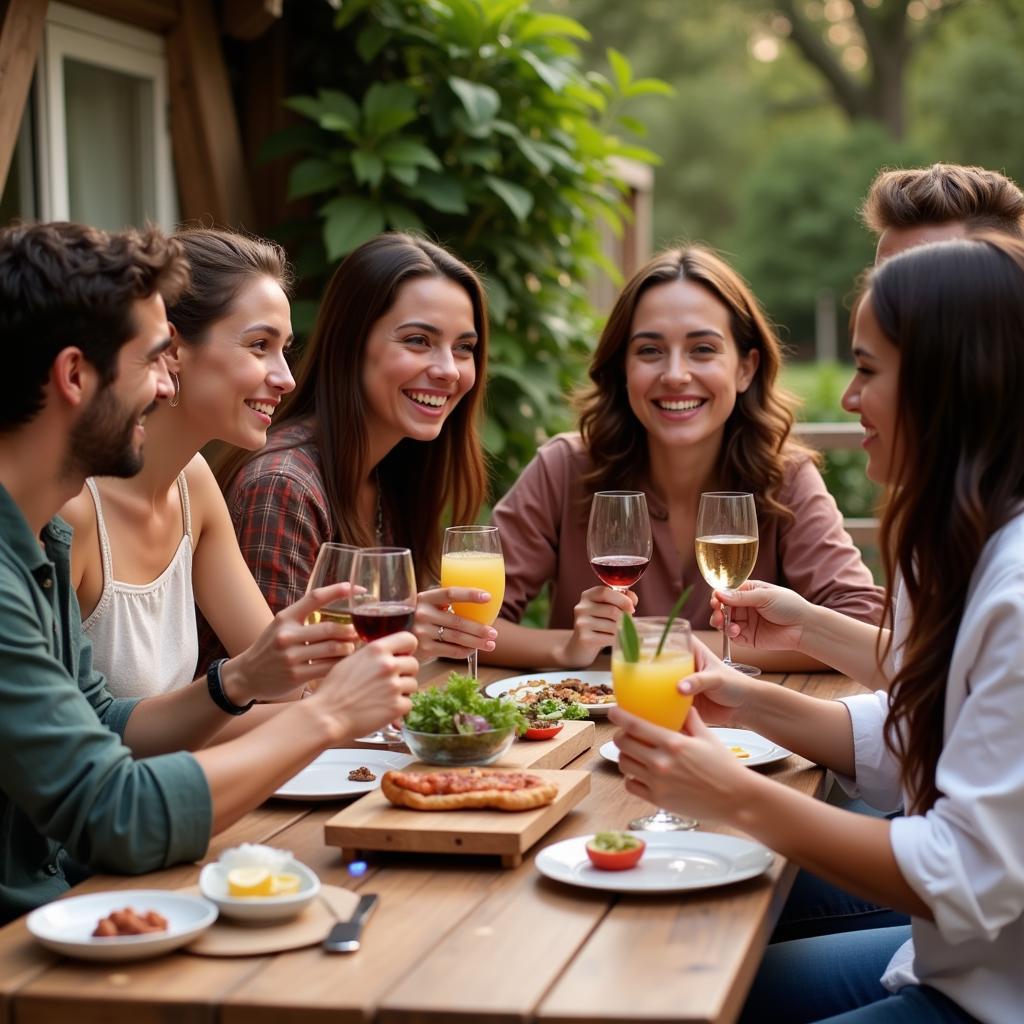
(683, 399)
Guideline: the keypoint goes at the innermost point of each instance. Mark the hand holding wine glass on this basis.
(619, 541)
(727, 551)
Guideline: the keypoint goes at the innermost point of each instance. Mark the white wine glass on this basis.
(619, 541)
(649, 688)
(382, 602)
(727, 551)
(472, 558)
(333, 565)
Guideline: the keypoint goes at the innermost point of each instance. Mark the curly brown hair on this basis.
(757, 446)
(64, 284)
(955, 312)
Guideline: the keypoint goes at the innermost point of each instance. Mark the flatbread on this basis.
(470, 788)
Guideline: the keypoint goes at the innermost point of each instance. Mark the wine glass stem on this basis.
(471, 663)
(726, 639)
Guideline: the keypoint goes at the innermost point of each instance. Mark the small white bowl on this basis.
(213, 884)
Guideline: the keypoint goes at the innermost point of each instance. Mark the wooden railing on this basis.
(841, 436)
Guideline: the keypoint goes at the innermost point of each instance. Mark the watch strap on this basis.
(216, 687)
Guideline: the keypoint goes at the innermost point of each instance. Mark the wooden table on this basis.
(454, 938)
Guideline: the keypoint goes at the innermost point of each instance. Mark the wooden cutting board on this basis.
(574, 739)
(372, 823)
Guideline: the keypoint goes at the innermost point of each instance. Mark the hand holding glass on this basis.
(727, 551)
(649, 688)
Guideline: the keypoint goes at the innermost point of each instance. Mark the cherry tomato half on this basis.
(543, 732)
(616, 860)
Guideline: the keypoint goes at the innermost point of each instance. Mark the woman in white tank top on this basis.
(147, 549)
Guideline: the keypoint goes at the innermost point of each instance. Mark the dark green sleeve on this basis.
(62, 762)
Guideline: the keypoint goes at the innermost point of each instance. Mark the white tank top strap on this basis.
(186, 508)
(101, 529)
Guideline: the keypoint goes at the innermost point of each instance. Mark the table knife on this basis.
(344, 936)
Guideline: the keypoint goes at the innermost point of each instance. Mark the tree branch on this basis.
(849, 93)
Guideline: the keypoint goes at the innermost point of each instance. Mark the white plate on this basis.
(761, 751)
(672, 862)
(66, 926)
(501, 686)
(213, 884)
(326, 778)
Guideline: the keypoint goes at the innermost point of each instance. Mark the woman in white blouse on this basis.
(939, 351)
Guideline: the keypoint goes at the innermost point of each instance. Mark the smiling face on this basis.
(234, 377)
(108, 437)
(683, 368)
(873, 392)
(418, 362)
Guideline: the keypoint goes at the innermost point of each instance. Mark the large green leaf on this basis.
(348, 222)
(409, 153)
(401, 218)
(440, 191)
(480, 102)
(369, 167)
(515, 197)
(388, 106)
(540, 25)
(312, 176)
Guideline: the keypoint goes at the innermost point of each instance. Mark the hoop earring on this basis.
(176, 398)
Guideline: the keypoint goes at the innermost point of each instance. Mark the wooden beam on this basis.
(212, 173)
(21, 35)
(249, 19)
(153, 15)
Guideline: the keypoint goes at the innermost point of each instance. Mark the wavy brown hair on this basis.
(418, 480)
(955, 311)
(756, 447)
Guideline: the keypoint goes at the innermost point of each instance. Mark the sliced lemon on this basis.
(250, 882)
(285, 884)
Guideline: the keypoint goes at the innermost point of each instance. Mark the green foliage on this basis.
(444, 711)
(474, 121)
(820, 387)
(798, 230)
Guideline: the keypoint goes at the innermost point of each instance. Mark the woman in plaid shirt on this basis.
(380, 437)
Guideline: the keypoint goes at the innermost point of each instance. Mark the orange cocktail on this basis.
(649, 687)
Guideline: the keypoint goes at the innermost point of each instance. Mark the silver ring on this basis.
(440, 632)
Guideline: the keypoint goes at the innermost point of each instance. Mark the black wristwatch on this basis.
(216, 688)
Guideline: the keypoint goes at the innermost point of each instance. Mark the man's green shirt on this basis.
(69, 787)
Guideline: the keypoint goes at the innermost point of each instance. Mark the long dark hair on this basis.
(418, 481)
(955, 311)
(756, 447)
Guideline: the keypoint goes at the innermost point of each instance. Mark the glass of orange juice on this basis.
(649, 688)
(472, 558)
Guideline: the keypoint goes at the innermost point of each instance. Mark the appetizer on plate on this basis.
(254, 882)
(545, 718)
(470, 788)
(615, 851)
(569, 690)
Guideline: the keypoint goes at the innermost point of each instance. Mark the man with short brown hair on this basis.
(905, 208)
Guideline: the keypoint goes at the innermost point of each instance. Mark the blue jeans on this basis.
(835, 979)
(816, 907)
